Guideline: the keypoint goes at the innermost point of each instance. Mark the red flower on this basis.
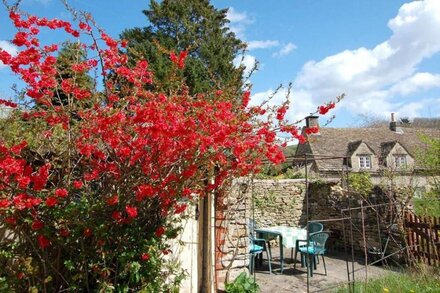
(131, 211)
(112, 200)
(51, 201)
(117, 216)
(64, 232)
(180, 61)
(4, 203)
(43, 241)
(77, 184)
(61, 192)
(145, 256)
(11, 221)
(159, 231)
(246, 98)
(87, 232)
(313, 129)
(37, 225)
(281, 112)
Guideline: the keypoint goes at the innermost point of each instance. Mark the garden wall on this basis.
(282, 202)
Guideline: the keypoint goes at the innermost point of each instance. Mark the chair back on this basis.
(318, 239)
(314, 227)
(251, 225)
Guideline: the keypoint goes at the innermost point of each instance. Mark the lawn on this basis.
(399, 282)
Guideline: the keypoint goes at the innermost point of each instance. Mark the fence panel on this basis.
(423, 238)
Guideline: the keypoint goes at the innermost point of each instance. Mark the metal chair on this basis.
(312, 227)
(314, 248)
(256, 247)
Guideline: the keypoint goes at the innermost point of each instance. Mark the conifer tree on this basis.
(195, 26)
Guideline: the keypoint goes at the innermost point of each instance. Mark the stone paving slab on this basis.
(295, 280)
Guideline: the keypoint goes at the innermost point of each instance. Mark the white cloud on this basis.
(247, 61)
(417, 82)
(285, 50)
(251, 45)
(238, 21)
(378, 78)
(8, 47)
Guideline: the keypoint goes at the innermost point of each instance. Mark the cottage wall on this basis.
(363, 149)
(399, 150)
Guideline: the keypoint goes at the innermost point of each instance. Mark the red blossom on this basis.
(113, 200)
(87, 232)
(145, 256)
(179, 61)
(51, 201)
(159, 231)
(11, 221)
(281, 112)
(4, 203)
(246, 98)
(77, 184)
(117, 216)
(43, 242)
(64, 232)
(131, 211)
(37, 225)
(61, 192)
(311, 130)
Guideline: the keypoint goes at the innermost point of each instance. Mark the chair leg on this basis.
(314, 261)
(269, 258)
(301, 255)
(323, 261)
(251, 263)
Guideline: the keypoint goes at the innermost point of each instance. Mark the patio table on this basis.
(287, 235)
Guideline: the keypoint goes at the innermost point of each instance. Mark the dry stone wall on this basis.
(283, 202)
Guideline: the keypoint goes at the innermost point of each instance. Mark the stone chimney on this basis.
(393, 123)
(312, 121)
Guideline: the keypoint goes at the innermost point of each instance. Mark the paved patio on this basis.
(296, 280)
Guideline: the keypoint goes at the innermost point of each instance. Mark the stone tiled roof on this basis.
(336, 142)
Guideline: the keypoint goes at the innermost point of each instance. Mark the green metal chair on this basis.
(256, 248)
(314, 249)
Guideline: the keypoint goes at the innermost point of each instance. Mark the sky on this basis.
(383, 55)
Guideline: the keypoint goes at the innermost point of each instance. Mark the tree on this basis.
(90, 204)
(194, 26)
(429, 203)
(69, 55)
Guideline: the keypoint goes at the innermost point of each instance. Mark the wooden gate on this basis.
(423, 238)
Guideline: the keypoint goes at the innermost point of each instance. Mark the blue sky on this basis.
(384, 55)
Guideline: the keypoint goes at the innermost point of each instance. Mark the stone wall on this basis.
(277, 202)
(231, 240)
(283, 202)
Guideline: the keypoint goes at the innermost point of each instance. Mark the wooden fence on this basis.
(423, 238)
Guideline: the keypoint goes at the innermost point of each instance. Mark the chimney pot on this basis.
(393, 123)
(312, 121)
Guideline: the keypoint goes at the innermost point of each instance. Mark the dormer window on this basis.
(365, 162)
(400, 161)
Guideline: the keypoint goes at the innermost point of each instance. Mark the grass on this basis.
(417, 282)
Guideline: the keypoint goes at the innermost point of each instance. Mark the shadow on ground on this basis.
(295, 280)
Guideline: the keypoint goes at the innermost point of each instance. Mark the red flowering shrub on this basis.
(89, 181)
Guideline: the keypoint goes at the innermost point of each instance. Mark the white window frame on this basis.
(365, 162)
(400, 161)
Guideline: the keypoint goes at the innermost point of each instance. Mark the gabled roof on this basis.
(335, 141)
(353, 146)
(386, 148)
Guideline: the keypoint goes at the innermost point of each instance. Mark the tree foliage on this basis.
(194, 26)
